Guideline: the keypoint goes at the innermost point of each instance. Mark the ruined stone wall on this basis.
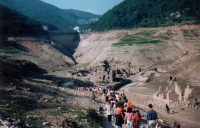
(173, 96)
(160, 100)
(105, 76)
(178, 91)
(188, 93)
(127, 70)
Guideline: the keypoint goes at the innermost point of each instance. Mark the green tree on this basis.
(146, 13)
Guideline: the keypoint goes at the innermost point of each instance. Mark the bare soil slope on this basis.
(176, 47)
(39, 51)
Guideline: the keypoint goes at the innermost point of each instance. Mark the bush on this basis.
(93, 118)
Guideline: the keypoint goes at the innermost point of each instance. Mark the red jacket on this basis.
(137, 117)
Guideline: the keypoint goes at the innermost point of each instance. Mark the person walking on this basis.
(152, 118)
(128, 118)
(108, 108)
(137, 117)
(119, 116)
(106, 98)
(167, 109)
(129, 104)
(112, 111)
(93, 95)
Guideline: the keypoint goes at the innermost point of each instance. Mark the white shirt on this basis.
(108, 109)
(117, 96)
(101, 90)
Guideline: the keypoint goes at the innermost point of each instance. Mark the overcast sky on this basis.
(93, 6)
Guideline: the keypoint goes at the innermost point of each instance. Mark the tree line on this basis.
(15, 24)
(147, 13)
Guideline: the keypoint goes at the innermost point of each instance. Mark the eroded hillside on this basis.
(37, 50)
(24, 60)
(176, 47)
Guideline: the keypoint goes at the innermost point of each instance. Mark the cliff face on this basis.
(175, 47)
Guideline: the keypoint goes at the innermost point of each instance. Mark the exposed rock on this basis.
(45, 123)
(65, 124)
(16, 88)
(28, 116)
(56, 100)
(7, 122)
(29, 89)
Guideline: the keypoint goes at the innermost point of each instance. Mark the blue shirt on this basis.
(152, 115)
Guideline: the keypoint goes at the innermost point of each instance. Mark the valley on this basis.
(170, 50)
(60, 67)
(177, 47)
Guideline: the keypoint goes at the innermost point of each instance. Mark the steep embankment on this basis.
(169, 46)
(36, 50)
(92, 47)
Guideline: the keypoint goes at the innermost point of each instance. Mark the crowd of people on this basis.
(121, 111)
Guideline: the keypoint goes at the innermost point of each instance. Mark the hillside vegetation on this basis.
(148, 13)
(14, 24)
(63, 19)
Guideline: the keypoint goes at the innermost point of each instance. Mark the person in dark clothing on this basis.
(167, 109)
(124, 96)
(93, 96)
(152, 118)
(106, 98)
(108, 110)
(104, 91)
(118, 112)
(113, 95)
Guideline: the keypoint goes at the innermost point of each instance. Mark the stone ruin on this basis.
(174, 97)
(109, 73)
(104, 71)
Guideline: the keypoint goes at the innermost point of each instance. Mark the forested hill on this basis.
(14, 24)
(148, 13)
(63, 19)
